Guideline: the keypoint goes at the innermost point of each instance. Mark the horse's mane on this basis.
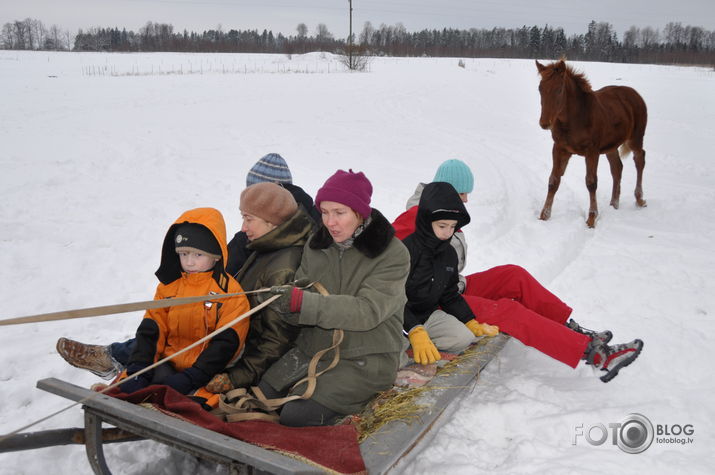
(579, 79)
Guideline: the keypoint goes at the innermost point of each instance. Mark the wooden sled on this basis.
(381, 451)
(392, 444)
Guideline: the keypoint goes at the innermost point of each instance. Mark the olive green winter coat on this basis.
(366, 283)
(274, 260)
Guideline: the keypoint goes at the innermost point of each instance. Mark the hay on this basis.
(396, 404)
(400, 404)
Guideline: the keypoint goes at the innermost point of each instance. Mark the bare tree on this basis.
(359, 60)
(29, 33)
(39, 33)
(302, 30)
(20, 35)
(630, 37)
(367, 33)
(710, 40)
(696, 37)
(649, 37)
(674, 33)
(7, 36)
(54, 39)
(322, 33)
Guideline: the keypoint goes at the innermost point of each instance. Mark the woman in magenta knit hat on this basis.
(356, 257)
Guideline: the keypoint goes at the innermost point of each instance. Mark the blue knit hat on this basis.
(456, 173)
(271, 168)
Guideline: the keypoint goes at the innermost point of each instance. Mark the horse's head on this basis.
(551, 89)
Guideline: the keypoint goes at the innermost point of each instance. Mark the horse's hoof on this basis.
(545, 215)
(591, 221)
(641, 203)
(614, 204)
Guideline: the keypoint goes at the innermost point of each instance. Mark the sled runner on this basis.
(393, 443)
(378, 453)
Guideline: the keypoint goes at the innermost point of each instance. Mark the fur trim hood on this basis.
(170, 267)
(371, 242)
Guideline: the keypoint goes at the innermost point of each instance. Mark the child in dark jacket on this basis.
(192, 264)
(434, 281)
(436, 314)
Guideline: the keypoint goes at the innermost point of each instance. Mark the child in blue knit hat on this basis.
(456, 173)
(510, 298)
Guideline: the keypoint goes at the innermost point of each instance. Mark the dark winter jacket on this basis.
(433, 278)
(274, 259)
(238, 251)
(404, 225)
(165, 331)
(367, 296)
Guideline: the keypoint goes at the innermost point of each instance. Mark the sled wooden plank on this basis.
(393, 442)
(183, 435)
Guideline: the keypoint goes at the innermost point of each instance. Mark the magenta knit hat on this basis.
(348, 188)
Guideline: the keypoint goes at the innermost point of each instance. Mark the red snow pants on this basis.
(510, 297)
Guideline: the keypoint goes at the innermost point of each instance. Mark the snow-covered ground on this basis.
(99, 153)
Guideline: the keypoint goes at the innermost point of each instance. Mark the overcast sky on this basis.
(284, 15)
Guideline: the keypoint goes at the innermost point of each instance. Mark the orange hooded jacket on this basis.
(165, 331)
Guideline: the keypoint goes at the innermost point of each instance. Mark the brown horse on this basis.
(587, 122)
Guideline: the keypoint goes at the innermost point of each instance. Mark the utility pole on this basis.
(350, 37)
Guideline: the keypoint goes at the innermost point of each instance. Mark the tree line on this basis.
(31, 34)
(675, 44)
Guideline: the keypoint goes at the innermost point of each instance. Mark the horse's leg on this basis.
(614, 160)
(592, 185)
(639, 159)
(560, 158)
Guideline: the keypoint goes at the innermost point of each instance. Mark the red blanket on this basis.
(330, 447)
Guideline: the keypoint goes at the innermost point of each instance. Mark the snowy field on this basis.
(99, 153)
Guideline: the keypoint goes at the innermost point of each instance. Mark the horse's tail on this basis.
(624, 150)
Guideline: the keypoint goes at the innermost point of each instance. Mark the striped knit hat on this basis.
(271, 168)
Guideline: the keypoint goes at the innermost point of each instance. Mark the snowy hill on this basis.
(101, 152)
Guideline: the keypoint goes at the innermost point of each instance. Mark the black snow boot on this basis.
(602, 337)
(611, 358)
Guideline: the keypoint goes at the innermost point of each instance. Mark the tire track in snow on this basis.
(510, 182)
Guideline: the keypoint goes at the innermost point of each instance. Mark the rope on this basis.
(236, 405)
(121, 308)
(148, 368)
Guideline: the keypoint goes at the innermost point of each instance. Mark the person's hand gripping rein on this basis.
(482, 329)
(423, 350)
(291, 299)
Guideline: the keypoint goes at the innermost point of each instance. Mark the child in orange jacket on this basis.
(192, 264)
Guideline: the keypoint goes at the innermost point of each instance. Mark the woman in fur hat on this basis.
(356, 257)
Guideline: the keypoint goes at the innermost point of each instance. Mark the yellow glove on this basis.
(423, 349)
(482, 329)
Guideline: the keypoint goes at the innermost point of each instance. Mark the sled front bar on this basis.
(51, 438)
(146, 423)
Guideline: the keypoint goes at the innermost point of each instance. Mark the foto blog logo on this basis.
(634, 434)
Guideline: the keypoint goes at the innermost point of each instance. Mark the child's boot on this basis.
(94, 358)
(611, 358)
